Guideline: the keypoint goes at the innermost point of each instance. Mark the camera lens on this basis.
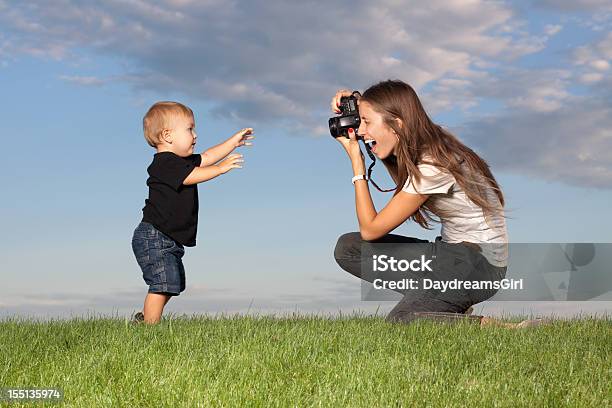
(333, 127)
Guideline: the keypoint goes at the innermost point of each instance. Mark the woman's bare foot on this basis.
(489, 321)
(533, 323)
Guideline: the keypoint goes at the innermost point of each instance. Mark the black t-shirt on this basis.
(172, 207)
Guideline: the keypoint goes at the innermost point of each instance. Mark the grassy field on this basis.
(308, 361)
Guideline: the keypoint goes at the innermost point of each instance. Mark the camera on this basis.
(349, 117)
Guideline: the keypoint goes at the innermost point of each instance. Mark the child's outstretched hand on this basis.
(233, 161)
(240, 138)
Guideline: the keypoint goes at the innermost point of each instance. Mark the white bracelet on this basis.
(359, 177)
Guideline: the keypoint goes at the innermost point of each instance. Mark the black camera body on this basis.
(349, 118)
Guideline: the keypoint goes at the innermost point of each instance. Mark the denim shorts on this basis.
(159, 257)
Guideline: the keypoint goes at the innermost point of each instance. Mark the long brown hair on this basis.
(419, 136)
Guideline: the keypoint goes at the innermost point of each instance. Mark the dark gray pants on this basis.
(451, 261)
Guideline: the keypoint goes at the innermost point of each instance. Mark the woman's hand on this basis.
(240, 138)
(351, 145)
(335, 102)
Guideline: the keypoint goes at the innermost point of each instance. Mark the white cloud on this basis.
(336, 297)
(282, 52)
(542, 90)
(571, 145)
(593, 60)
(280, 62)
(84, 80)
(591, 77)
(600, 65)
(552, 29)
(546, 98)
(576, 5)
(604, 47)
(600, 52)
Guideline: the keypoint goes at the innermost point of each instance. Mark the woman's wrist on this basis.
(358, 169)
(358, 166)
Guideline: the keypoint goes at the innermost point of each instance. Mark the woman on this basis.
(439, 179)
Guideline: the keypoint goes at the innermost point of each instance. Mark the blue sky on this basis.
(527, 85)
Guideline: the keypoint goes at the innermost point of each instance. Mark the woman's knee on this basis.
(348, 245)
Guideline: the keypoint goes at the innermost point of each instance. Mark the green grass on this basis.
(308, 361)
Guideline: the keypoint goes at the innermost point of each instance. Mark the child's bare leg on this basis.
(154, 307)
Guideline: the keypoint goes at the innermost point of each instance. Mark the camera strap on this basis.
(373, 158)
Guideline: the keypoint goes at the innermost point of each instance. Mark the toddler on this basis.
(170, 215)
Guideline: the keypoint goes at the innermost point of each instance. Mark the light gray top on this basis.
(466, 221)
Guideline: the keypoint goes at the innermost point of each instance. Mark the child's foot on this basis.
(138, 318)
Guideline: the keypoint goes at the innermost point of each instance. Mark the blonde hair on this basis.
(161, 116)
